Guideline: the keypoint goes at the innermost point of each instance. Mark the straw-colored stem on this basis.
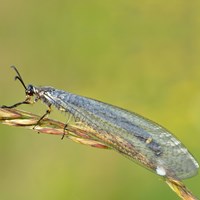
(180, 189)
(75, 132)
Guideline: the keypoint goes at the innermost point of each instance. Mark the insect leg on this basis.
(65, 127)
(26, 101)
(48, 111)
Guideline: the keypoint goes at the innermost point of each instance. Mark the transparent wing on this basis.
(138, 138)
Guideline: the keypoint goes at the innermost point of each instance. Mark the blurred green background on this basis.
(139, 55)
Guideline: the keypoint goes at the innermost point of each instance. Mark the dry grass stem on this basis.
(180, 189)
(75, 132)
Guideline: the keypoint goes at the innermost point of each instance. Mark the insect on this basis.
(132, 135)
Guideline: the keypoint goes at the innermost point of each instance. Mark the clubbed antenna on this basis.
(19, 77)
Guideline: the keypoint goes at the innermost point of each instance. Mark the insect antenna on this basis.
(19, 77)
(27, 100)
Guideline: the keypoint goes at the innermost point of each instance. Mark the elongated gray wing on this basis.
(140, 139)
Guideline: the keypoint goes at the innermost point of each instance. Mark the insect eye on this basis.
(30, 90)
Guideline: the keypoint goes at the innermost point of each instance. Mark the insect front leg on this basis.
(26, 101)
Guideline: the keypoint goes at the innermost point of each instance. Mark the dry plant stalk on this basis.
(75, 132)
(180, 189)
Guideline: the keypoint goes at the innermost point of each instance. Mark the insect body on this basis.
(134, 136)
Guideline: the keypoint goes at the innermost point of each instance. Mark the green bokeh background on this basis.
(139, 55)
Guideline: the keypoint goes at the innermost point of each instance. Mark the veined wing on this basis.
(131, 134)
